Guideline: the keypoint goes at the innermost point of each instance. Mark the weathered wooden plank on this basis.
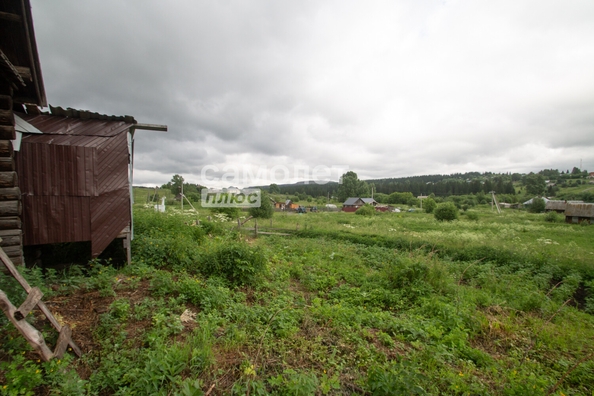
(24, 72)
(12, 222)
(13, 250)
(10, 208)
(32, 109)
(8, 179)
(14, 240)
(10, 194)
(6, 117)
(8, 233)
(11, 240)
(17, 260)
(6, 149)
(6, 164)
(31, 334)
(13, 271)
(7, 132)
(151, 127)
(64, 339)
(41, 305)
(30, 302)
(57, 326)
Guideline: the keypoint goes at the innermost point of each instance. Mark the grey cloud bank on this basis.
(388, 88)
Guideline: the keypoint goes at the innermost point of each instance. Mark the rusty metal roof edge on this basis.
(86, 114)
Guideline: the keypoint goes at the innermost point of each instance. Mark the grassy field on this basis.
(396, 303)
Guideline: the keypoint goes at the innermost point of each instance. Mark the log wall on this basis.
(10, 194)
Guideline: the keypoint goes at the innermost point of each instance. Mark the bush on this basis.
(537, 206)
(429, 205)
(232, 212)
(366, 210)
(236, 261)
(553, 217)
(446, 211)
(265, 210)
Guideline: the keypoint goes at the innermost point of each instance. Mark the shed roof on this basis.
(78, 123)
(351, 201)
(580, 209)
(555, 205)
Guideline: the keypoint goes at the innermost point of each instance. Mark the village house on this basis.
(290, 205)
(558, 206)
(354, 203)
(579, 213)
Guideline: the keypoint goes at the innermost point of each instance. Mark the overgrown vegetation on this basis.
(446, 211)
(395, 303)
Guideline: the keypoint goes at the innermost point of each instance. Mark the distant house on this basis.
(354, 203)
(579, 213)
(591, 175)
(290, 205)
(558, 206)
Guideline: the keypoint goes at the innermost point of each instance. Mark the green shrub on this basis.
(537, 206)
(265, 210)
(238, 262)
(366, 210)
(429, 205)
(232, 213)
(553, 217)
(446, 211)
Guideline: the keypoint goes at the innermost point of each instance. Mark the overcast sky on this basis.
(383, 88)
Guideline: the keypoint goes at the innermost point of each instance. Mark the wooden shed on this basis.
(555, 206)
(21, 86)
(75, 176)
(558, 206)
(579, 213)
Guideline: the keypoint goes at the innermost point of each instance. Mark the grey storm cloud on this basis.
(387, 88)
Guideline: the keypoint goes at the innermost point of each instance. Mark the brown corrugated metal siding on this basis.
(74, 181)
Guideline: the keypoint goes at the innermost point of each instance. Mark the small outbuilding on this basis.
(75, 176)
(579, 213)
